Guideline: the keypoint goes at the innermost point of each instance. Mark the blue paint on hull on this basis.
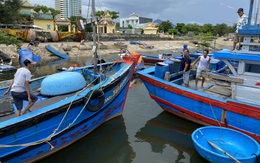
(197, 110)
(81, 121)
(57, 53)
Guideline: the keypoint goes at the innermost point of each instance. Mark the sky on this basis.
(176, 11)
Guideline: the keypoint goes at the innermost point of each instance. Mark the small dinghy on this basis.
(224, 145)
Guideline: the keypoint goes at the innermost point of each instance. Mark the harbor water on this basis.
(143, 133)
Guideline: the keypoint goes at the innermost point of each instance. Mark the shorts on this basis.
(186, 77)
(238, 38)
(20, 96)
(198, 73)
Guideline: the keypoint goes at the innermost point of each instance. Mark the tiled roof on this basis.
(43, 16)
(27, 4)
(25, 12)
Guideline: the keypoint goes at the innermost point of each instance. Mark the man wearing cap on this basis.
(18, 85)
(242, 20)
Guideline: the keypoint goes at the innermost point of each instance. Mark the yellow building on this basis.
(40, 19)
(106, 24)
(150, 29)
(44, 20)
(26, 11)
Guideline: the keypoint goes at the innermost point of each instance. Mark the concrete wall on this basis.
(47, 25)
(127, 37)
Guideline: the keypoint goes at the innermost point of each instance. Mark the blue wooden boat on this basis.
(115, 146)
(5, 68)
(58, 51)
(228, 99)
(219, 144)
(70, 105)
(215, 64)
(151, 59)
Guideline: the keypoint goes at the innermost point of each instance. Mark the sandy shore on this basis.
(107, 48)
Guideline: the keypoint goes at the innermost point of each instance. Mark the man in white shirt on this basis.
(18, 85)
(242, 20)
(204, 63)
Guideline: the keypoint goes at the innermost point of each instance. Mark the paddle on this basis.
(226, 153)
(218, 148)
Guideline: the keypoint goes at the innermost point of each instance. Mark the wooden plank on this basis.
(222, 77)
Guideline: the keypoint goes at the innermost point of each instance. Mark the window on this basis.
(48, 27)
(254, 68)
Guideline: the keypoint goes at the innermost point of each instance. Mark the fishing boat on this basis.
(220, 144)
(228, 99)
(70, 105)
(6, 63)
(57, 50)
(5, 59)
(7, 68)
(151, 59)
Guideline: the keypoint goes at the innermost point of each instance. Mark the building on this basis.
(150, 29)
(68, 8)
(106, 24)
(63, 7)
(135, 21)
(44, 20)
(75, 7)
(27, 11)
(40, 20)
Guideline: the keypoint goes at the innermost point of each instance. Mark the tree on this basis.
(9, 11)
(9, 40)
(46, 9)
(221, 29)
(173, 31)
(114, 14)
(195, 28)
(179, 26)
(129, 26)
(165, 26)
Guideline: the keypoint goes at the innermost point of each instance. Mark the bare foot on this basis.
(195, 88)
(202, 86)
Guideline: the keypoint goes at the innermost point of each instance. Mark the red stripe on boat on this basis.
(243, 109)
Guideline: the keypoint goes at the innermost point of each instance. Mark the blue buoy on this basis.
(160, 69)
(171, 65)
(62, 83)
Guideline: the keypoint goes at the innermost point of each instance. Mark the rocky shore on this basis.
(107, 48)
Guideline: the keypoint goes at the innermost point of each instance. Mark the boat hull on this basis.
(57, 51)
(54, 127)
(200, 107)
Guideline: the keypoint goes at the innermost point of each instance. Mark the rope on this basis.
(56, 129)
(213, 112)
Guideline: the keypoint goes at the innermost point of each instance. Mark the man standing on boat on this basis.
(242, 20)
(204, 62)
(21, 81)
(186, 67)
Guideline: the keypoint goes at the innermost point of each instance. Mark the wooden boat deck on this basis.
(220, 90)
(42, 102)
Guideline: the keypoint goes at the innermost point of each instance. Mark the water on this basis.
(144, 133)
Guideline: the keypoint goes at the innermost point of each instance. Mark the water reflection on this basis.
(108, 143)
(168, 130)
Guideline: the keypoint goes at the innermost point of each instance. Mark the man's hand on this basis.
(6, 93)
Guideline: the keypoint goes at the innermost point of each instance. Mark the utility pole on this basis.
(94, 49)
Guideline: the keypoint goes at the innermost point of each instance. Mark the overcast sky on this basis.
(176, 11)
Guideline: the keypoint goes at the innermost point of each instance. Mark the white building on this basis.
(75, 7)
(135, 21)
(68, 8)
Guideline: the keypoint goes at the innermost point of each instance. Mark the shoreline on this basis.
(107, 48)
